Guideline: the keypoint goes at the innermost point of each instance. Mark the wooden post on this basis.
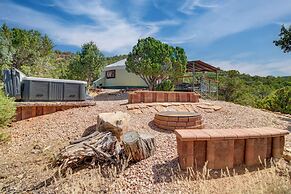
(193, 74)
(217, 85)
(209, 87)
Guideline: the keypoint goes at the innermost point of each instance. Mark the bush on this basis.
(165, 85)
(4, 137)
(279, 100)
(7, 109)
(245, 99)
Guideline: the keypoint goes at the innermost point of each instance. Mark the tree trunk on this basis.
(151, 87)
(138, 146)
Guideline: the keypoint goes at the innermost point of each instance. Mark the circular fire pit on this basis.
(178, 120)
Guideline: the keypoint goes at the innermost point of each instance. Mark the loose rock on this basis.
(116, 122)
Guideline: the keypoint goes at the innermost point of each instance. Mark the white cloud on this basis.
(189, 6)
(232, 17)
(154, 27)
(110, 32)
(276, 67)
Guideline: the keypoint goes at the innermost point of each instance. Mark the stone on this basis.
(130, 107)
(216, 108)
(209, 110)
(160, 108)
(287, 156)
(209, 107)
(171, 108)
(152, 110)
(204, 106)
(136, 111)
(166, 104)
(145, 110)
(115, 122)
(189, 107)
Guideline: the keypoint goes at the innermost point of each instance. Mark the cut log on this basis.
(138, 146)
(101, 147)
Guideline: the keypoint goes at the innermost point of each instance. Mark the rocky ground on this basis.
(26, 157)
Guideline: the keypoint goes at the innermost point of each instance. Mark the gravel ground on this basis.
(34, 142)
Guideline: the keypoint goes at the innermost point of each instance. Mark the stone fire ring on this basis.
(172, 120)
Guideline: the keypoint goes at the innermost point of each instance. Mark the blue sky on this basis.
(230, 34)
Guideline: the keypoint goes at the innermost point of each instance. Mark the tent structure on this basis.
(115, 76)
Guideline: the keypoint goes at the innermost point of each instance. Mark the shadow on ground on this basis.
(89, 130)
(170, 171)
(165, 172)
(112, 96)
(154, 127)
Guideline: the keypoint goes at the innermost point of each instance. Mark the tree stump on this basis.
(138, 146)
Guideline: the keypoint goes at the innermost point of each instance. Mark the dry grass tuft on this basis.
(275, 179)
(269, 180)
(90, 181)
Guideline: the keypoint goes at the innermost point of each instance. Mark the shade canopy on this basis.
(200, 66)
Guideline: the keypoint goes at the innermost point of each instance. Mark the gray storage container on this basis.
(45, 89)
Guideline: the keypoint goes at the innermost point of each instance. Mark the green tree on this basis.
(155, 61)
(230, 85)
(165, 85)
(6, 48)
(113, 59)
(284, 41)
(60, 64)
(87, 64)
(24, 49)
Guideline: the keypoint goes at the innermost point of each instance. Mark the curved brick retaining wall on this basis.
(223, 148)
(171, 120)
(162, 96)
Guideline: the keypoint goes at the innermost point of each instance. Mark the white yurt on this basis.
(115, 76)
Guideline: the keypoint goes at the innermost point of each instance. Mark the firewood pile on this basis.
(111, 144)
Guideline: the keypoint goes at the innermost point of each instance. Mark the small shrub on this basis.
(165, 85)
(246, 99)
(7, 109)
(279, 100)
(4, 137)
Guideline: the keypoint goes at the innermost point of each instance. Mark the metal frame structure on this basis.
(200, 66)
